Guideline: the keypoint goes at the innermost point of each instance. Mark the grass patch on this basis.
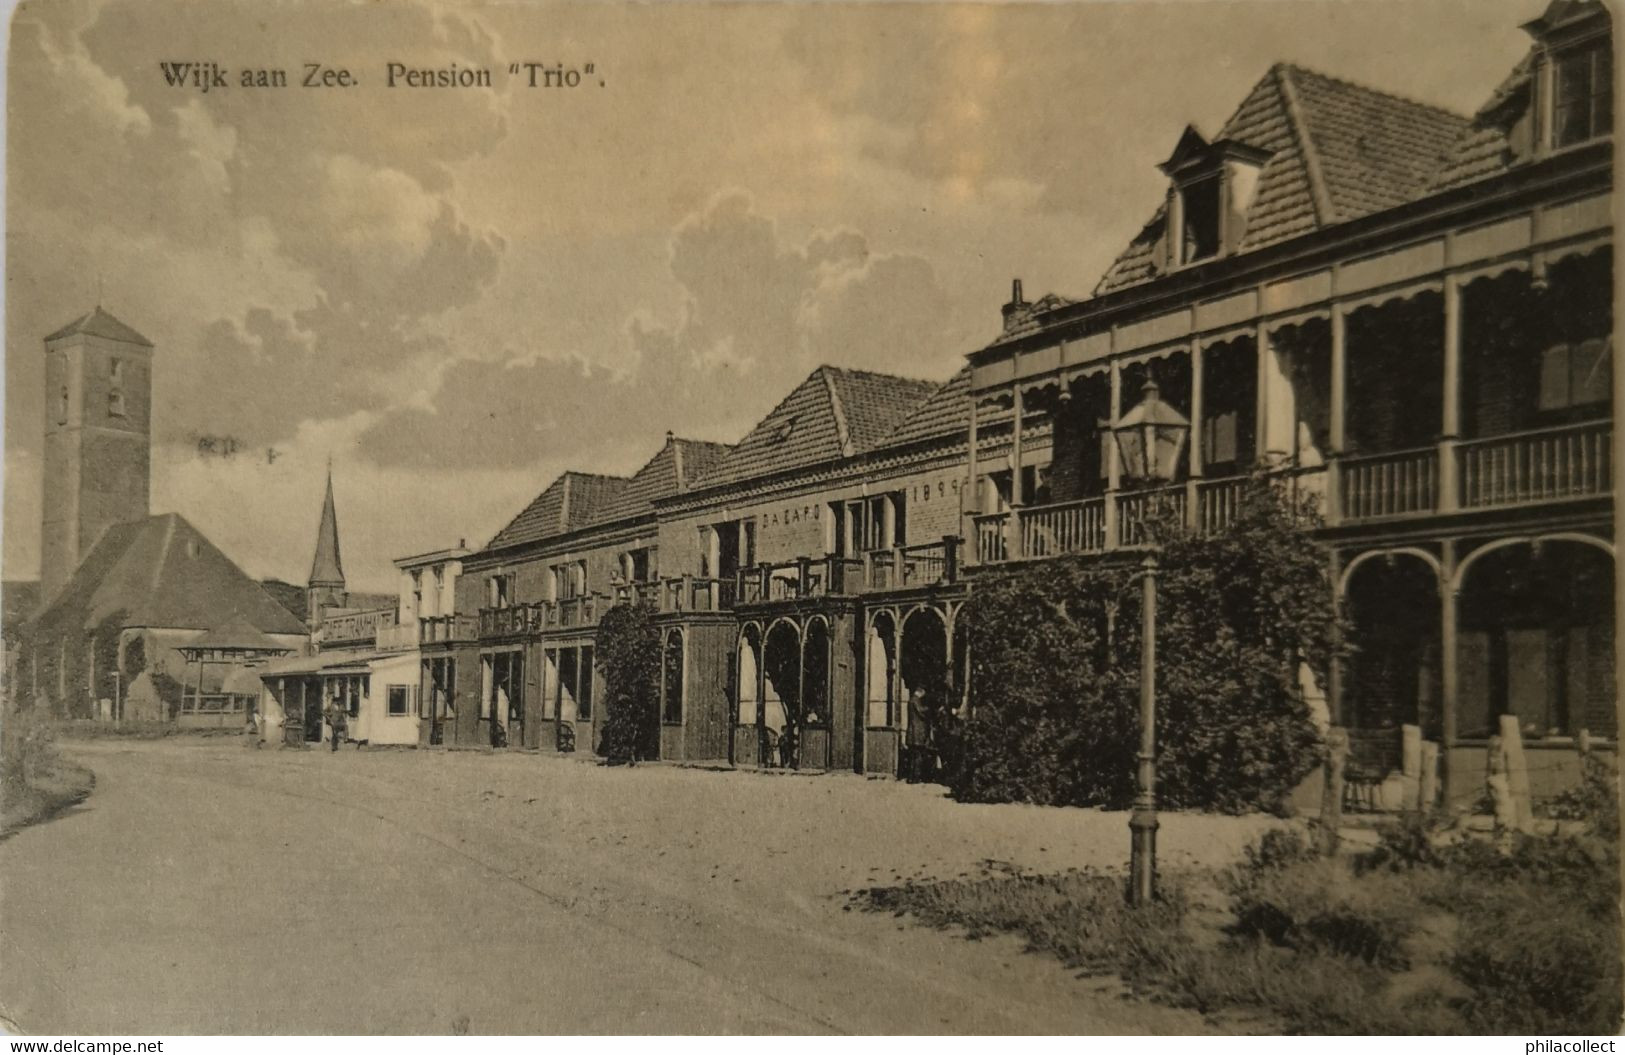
(1459, 938)
(36, 783)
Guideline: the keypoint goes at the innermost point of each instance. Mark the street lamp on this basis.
(1150, 438)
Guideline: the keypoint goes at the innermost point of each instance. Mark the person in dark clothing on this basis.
(340, 722)
(918, 739)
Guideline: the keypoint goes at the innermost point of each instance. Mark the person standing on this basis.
(917, 738)
(339, 720)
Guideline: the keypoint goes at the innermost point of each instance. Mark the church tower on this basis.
(326, 583)
(98, 439)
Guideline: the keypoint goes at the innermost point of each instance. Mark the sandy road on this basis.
(208, 888)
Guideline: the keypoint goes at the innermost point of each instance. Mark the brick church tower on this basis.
(98, 439)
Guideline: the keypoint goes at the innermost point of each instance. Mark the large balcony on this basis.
(1535, 467)
(447, 629)
(534, 617)
(1532, 468)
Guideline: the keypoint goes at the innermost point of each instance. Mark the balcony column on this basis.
(888, 521)
(1339, 415)
(1012, 525)
(1450, 431)
(1449, 676)
(1334, 669)
(970, 496)
(1193, 477)
(1277, 415)
(1114, 461)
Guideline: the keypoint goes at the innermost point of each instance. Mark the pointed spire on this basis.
(327, 569)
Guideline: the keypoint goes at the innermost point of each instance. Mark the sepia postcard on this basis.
(786, 518)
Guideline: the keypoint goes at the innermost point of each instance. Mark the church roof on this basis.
(835, 413)
(327, 569)
(1337, 151)
(98, 323)
(237, 633)
(163, 572)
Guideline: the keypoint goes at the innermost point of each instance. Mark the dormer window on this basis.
(1573, 77)
(1200, 216)
(1212, 189)
(1582, 94)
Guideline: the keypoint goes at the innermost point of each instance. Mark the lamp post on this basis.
(1150, 439)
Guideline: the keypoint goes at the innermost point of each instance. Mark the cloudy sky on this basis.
(455, 294)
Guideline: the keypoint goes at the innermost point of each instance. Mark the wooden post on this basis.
(1450, 431)
(1114, 461)
(1331, 801)
(1517, 772)
(1500, 791)
(1428, 788)
(1410, 763)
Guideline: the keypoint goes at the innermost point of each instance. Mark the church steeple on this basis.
(326, 583)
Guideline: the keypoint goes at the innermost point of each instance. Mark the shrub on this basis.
(1594, 800)
(1055, 670)
(628, 652)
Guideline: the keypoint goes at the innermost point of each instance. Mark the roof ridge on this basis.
(1319, 194)
(163, 552)
(860, 372)
(843, 435)
(1345, 82)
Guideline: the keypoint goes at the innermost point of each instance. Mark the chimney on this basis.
(1016, 308)
(670, 436)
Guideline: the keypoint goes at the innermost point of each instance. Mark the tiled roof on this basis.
(568, 503)
(1483, 149)
(945, 411)
(99, 323)
(163, 572)
(834, 413)
(1337, 151)
(675, 467)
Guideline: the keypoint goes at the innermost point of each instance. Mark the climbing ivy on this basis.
(1055, 668)
(628, 653)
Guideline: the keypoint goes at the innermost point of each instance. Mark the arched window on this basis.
(671, 678)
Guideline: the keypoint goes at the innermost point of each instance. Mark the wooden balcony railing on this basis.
(990, 541)
(910, 567)
(444, 629)
(1395, 484)
(1217, 502)
(1067, 527)
(533, 617)
(1138, 510)
(1543, 465)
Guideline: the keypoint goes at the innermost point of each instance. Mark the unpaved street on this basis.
(209, 888)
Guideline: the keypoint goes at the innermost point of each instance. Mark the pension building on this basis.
(1401, 312)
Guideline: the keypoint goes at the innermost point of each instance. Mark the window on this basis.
(500, 590)
(1576, 375)
(115, 370)
(671, 678)
(567, 700)
(584, 694)
(62, 407)
(862, 525)
(417, 592)
(398, 701)
(637, 565)
(1200, 237)
(115, 404)
(1582, 87)
(1219, 438)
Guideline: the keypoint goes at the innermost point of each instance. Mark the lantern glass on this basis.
(1151, 438)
